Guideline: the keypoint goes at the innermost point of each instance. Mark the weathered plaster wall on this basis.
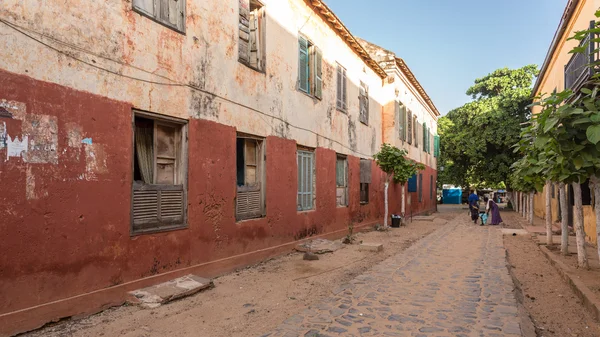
(199, 72)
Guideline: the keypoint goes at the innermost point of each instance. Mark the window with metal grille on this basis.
(170, 13)
(250, 200)
(252, 34)
(310, 68)
(365, 180)
(363, 102)
(342, 89)
(341, 181)
(306, 180)
(160, 172)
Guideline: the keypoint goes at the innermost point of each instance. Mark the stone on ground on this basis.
(429, 218)
(371, 247)
(308, 256)
(319, 246)
(154, 296)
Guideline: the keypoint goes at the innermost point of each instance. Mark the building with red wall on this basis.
(134, 150)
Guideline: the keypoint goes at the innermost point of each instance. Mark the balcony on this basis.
(578, 70)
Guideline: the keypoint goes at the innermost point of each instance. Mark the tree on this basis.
(394, 164)
(477, 138)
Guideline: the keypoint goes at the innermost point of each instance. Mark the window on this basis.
(363, 101)
(159, 187)
(252, 34)
(416, 127)
(306, 180)
(401, 113)
(310, 68)
(341, 181)
(250, 163)
(342, 89)
(436, 146)
(365, 180)
(420, 187)
(430, 187)
(170, 13)
(409, 127)
(425, 138)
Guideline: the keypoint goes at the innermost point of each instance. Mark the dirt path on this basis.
(553, 307)
(253, 300)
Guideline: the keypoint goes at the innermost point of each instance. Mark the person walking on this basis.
(491, 206)
(474, 206)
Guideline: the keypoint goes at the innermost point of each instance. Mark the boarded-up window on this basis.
(306, 180)
(342, 89)
(252, 34)
(341, 181)
(365, 180)
(158, 191)
(170, 13)
(250, 200)
(401, 113)
(363, 102)
(409, 128)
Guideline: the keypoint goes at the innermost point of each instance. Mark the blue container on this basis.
(452, 196)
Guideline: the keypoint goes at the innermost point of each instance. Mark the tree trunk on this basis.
(524, 208)
(385, 193)
(579, 231)
(548, 212)
(531, 196)
(403, 206)
(564, 221)
(594, 180)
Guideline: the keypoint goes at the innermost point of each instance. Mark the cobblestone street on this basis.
(452, 283)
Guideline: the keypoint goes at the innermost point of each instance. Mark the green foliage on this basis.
(393, 161)
(562, 142)
(476, 139)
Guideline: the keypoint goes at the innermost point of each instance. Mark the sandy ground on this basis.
(553, 307)
(250, 301)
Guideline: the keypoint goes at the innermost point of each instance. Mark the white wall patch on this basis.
(16, 147)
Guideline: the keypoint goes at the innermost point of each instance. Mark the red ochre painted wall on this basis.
(65, 226)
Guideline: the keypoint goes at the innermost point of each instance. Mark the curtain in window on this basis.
(144, 150)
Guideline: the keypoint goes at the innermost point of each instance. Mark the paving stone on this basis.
(427, 290)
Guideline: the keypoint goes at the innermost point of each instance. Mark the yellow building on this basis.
(562, 70)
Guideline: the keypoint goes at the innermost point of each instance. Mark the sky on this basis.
(449, 43)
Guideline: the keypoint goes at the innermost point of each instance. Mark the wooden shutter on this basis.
(262, 38)
(248, 205)
(303, 71)
(344, 90)
(318, 65)
(249, 199)
(409, 127)
(420, 187)
(244, 32)
(145, 6)
(157, 206)
(254, 40)
(416, 127)
(424, 137)
(338, 96)
(401, 111)
(305, 180)
(171, 12)
(412, 183)
(364, 103)
(436, 146)
(165, 154)
(365, 171)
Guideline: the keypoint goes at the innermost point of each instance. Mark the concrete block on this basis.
(371, 247)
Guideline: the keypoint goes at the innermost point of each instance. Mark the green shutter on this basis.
(303, 69)
(424, 137)
(436, 146)
(318, 73)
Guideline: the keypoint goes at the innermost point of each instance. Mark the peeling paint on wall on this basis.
(74, 134)
(16, 147)
(43, 139)
(2, 135)
(30, 190)
(95, 161)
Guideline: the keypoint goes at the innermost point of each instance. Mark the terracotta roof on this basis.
(335, 23)
(560, 31)
(413, 80)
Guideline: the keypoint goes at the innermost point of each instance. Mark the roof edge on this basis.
(564, 22)
(334, 22)
(413, 80)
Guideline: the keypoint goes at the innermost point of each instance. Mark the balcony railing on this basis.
(578, 69)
